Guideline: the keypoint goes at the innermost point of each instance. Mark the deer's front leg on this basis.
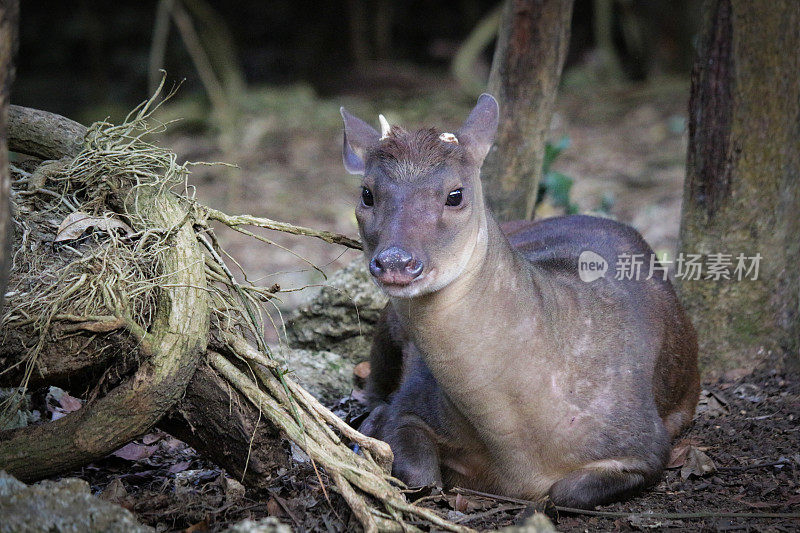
(409, 422)
(416, 458)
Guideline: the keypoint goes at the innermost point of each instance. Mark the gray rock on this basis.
(332, 332)
(326, 375)
(9, 484)
(341, 317)
(264, 525)
(536, 523)
(63, 506)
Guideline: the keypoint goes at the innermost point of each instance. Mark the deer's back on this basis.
(555, 244)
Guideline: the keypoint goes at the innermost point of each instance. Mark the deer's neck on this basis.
(481, 321)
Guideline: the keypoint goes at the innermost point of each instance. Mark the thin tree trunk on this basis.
(528, 58)
(9, 16)
(742, 189)
(359, 43)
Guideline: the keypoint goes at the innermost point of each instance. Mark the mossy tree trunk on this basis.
(528, 58)
(742, 189)
(9, 15)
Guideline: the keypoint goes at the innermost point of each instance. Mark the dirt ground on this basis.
(740, 456)
(626, 154)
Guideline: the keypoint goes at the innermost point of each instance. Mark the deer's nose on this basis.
(396, 266)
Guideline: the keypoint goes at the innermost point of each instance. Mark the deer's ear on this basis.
(477, 133)
(358, 137)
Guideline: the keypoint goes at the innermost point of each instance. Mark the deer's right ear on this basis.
(358, 137)
(477, 133)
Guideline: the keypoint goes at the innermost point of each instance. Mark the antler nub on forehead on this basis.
(448, 138)
(386, 129)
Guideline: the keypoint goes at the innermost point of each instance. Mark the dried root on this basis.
(165, 286)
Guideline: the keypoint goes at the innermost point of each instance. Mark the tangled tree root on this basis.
(163, 291)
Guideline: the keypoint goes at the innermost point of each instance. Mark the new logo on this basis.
(591, 266)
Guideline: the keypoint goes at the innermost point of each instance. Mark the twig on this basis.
(247, 220)
(624, 514)
(751, 467)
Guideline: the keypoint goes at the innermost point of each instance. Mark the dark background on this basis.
(88, 54)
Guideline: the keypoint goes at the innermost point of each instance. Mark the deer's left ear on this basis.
(477, 133)
(358, 137)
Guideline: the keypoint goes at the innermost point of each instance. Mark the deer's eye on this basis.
(455, 197)
(366, 197)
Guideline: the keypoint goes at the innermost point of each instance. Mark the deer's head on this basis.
(420, 213)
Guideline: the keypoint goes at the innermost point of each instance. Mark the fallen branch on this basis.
(177, 338)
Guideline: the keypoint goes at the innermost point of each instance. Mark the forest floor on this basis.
(626, 156)
(740, 456)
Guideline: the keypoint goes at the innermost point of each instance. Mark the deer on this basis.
(494, 366)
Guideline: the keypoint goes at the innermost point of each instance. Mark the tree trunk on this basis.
(528, 58)
(742, 189)
(9, 15)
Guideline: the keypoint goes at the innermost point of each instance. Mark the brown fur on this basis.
(412, 155)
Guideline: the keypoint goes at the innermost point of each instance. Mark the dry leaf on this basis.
(749, 392)
(697, 463)
(69, 403)
(679, 452)
(465, 504)
(757, 505)
(359, 395)
(199, 527)
(172, 444)
(179, 467)
(461, 503)
(114, 492)
(234, 491)
(362, 370)
(60, 403)
(75, 224)
(712, 404)
(152, 438)
(135, 452)
(274, 508)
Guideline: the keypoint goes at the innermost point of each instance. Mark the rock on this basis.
(536, 523)
(326, 375)
(23, 415)
(341, 317)
(60, 506)
(332, 332)
(9, 485)
(264, 525)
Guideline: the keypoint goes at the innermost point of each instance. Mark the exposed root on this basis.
(164, 285)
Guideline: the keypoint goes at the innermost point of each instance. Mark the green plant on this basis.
(554, 185)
